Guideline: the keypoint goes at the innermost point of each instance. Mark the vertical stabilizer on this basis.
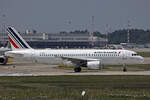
(16, 41)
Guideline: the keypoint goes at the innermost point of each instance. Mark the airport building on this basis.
(59, 40)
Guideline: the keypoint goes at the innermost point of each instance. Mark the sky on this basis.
(70, 15)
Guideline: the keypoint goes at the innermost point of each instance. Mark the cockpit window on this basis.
(134, 54)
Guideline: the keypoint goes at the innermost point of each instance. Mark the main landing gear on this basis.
(124, 68)
(77, 69)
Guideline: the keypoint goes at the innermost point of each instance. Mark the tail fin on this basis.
(16, 41)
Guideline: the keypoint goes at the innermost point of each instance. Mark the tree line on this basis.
(138, 36)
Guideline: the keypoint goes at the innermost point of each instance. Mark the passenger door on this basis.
(33, 57)
(124, 55)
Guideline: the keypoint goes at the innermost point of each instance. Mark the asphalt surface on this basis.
(30, 69)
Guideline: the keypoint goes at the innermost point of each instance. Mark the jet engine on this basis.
(93, 64)
(3, 60)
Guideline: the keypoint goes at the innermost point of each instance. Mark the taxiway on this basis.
(30, 69)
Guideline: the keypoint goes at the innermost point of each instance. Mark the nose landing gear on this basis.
(124, 68)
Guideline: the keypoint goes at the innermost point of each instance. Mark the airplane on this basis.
(90, 58)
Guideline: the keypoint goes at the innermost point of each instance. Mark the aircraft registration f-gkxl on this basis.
(90, 58)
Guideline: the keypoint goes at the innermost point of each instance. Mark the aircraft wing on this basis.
(77, 61)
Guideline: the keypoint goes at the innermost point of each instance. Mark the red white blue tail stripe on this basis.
(17, 42)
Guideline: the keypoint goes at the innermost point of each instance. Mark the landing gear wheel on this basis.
(124, 68)
(77, 69)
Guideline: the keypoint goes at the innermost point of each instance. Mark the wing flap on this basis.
(76, 60)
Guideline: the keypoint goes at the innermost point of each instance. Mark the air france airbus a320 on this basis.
(90, 58)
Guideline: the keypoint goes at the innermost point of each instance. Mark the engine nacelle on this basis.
(3, 60)
(93, 64)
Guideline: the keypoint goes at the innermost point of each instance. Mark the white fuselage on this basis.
(55, 56)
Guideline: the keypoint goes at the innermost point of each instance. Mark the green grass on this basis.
(144, 54)
(70, 88)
